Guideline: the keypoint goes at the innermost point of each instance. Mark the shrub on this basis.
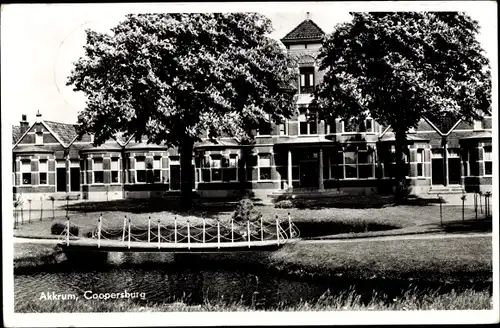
(57, 228)
(284, 204)
(245, 210)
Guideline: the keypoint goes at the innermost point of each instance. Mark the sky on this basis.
(40, 42)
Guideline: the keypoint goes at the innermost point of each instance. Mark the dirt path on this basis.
(21, 240)
(401, 237)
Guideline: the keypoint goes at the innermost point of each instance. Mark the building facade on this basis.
(300, 153)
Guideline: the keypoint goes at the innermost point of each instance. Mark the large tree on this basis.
(400, 67)
(173, 77)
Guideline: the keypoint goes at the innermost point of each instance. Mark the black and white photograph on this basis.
(271, 163)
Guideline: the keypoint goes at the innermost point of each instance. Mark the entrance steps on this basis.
(446, 190)
(307, 193)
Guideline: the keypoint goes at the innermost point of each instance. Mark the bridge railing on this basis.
(208, 231)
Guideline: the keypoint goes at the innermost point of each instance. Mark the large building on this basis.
(301, 153)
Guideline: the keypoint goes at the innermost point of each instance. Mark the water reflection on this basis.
(168, 278)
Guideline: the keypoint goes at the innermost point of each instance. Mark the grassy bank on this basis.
(313, 222)
(451, 260)
(348, 301)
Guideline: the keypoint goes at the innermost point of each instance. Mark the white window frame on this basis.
(357, 132)
(117, 169)
(285, 128)
(490, 159)
(40, 171)
(303, 118)
(259, 166)
(26, 169)
(94, 171)
(421, 162)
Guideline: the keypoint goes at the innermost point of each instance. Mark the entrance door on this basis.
(309, 174)
(437, 171)
(74, 179)
(61, 179)
(454, 170)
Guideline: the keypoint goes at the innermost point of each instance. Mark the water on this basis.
(194, 279)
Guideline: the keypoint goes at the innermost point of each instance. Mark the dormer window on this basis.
(306, 79)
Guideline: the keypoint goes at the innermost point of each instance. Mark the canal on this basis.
(197, 279)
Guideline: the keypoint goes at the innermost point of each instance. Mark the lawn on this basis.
(442, 259)
(312, 221)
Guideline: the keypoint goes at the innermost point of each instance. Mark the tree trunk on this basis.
(186, 158)
(400, 169)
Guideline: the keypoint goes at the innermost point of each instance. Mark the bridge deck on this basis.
(90, 244)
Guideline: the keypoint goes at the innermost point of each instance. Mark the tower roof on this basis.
(306, 30)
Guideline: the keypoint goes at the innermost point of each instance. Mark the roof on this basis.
(409, 137)
(105, 146)
(303, 140)
(16, 133)
(65, 132)
(32, 149)
(479, 135)
(305, 30)
(445, 123)
(217, 143)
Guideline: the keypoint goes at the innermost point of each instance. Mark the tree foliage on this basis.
(402, 66)
(399, 67)
(172, 77)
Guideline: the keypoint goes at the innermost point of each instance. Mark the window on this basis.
(283, 128)
(43, 168)
(488, 160)
(98, 171)
(140, 169)
(306, 79)
(308, 123)
(229, 172)
(115, 169)
(420, 163)
(39, 138)
(478, 125)
(336, 164)
(157, 169)
(390, 163)
(473, 164)
(215, 166)
(265, 126)
(264, 166)
(26, 172)
(365, 162)
(352, 127)
(357, 162)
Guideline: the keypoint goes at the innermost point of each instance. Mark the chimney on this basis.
(24, 123)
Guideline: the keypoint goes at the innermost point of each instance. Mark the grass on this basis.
(315, 221)
(433, 259)
(348, 301)
(451, 260)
